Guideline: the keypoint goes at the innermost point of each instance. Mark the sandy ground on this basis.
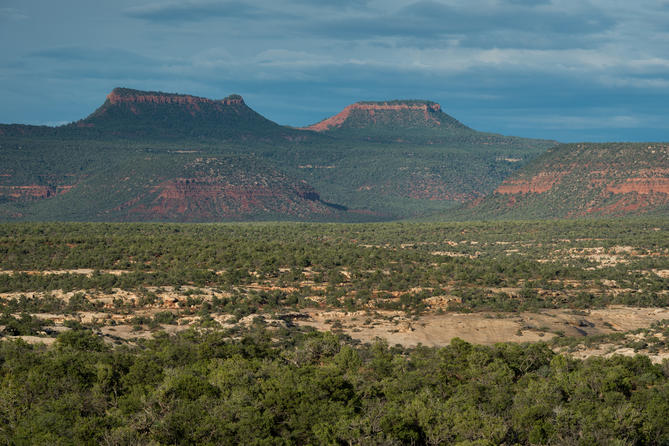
(608, 350)
(434, 330)
(83, 271)
(484, 328)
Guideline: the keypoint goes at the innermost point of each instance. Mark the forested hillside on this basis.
(581, 180)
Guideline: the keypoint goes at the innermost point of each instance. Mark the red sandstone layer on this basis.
(642, 186)
(203, 197)
(538, 184)
(115, 98)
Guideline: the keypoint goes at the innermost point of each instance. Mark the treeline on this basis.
(289, 387)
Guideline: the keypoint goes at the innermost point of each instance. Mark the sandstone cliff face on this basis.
(160, 105)
(643, 186)
(120, 95)
(538, 184)
(192, 104)
(590, 179)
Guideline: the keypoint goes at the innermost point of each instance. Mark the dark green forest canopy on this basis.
(257, 387)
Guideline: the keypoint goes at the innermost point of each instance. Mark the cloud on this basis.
(528, 2)
(195, 11)
(68, 54)
(54, 123)
(474, 18)
(428, 23)
(582, 122)
(329, 4)
(86, 63)
(293, 59)
(12, 14)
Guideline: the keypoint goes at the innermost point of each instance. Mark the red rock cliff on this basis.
(118, 96)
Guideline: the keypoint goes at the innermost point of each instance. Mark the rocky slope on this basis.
(179, 188)
(408, 121)
(579, 180)
(211, 189)
(415, 153)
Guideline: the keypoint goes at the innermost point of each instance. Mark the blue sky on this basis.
(573, 70)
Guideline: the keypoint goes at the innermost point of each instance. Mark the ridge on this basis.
(125, 95)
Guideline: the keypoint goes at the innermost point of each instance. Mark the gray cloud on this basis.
(528, 2)
(354, 4)
(71, 54)
(430, 23)
(529, 40)
(12, 14)
(196, 10)
(518, 18)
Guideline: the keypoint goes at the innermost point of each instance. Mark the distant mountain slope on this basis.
(175, 187)
(131, 113)
(389, 160)
(137, 113)
(220, 188)
(578, 180)
(413, 158)
(406, 121)
(390, 115)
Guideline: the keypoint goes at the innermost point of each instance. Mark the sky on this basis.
(572, 70)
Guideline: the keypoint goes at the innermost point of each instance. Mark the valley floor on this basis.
(406, 333)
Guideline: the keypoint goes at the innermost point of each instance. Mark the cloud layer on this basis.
(562, 69)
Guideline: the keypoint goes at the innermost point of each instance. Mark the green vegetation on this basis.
(291, 387)
(509, 266)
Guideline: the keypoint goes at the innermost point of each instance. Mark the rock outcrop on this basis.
(396, 113)
(125, 95)
(576, 180)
